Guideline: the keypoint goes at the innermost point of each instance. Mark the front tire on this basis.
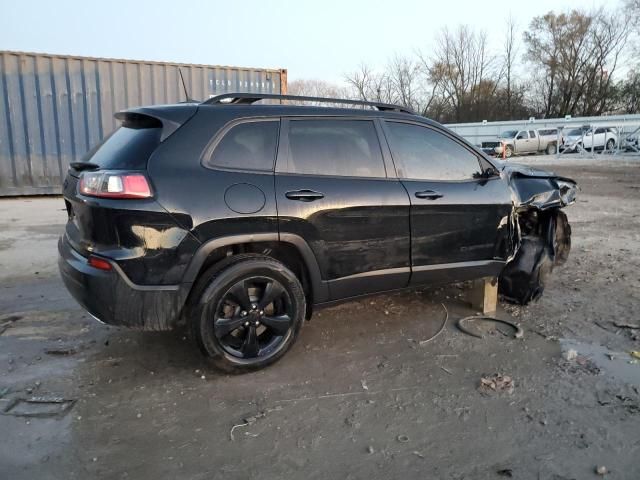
(248, 313)
(508, 151)
(611, 143)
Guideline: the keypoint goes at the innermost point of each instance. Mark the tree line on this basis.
(571, 59)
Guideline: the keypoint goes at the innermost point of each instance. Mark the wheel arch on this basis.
(290, 249)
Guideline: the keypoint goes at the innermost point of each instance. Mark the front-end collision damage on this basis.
(541, 233)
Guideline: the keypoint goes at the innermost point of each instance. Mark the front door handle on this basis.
(428, 194)
(304, 195)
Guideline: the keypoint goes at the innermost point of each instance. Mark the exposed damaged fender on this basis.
(532, 187)
(541, 231)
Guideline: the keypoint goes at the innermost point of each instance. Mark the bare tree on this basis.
(576, 54)
(463, 73)
(510, 53)
(317, 88)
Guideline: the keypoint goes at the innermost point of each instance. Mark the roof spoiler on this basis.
(169, 118)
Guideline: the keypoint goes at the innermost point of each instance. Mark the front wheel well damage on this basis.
(544, 241)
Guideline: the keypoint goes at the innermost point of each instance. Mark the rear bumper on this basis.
(112, 298)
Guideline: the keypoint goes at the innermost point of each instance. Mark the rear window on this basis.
(125, 149)
(247, 146)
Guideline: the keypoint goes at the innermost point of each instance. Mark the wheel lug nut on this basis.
(254, 306)
(243, 313)
(246, 324)
(261, 312)
(257, 323)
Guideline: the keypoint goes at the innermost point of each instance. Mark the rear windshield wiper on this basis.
(80, 166)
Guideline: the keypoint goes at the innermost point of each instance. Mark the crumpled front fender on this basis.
(532, 187)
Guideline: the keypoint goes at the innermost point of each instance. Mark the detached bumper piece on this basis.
(112, 298)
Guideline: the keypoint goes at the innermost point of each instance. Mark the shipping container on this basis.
(54, 108)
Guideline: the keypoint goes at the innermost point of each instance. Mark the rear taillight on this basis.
(114, 185)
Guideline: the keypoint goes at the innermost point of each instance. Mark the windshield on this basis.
(508, 134)
(576, 132)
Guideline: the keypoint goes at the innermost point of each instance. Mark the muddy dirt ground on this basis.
(361, 395)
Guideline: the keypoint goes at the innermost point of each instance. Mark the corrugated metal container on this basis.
(54, 108)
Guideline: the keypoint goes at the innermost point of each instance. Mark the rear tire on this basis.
(247, 313)
(551, 149)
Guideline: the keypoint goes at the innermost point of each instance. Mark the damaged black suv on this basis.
(237, 218)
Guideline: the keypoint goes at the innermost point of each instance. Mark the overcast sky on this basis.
(312, 39)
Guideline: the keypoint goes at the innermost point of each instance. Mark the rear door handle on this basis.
(304, 195)
(428, 194)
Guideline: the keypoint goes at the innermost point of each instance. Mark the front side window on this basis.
(335, 147)
(247, 146)
(423, 153)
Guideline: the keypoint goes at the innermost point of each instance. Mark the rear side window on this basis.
(423, 153)
(247, 146)
(335, 147)
(532, 134)
(125, 149)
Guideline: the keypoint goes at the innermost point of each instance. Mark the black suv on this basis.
(238, 218)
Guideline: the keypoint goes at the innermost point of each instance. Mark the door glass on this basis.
(247, 146)
(532, 134)
(423, 153)
(335, 147)
(522, 136)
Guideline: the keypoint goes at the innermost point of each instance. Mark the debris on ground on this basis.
(444, 324)
(252, 419)
(601, 470)
(7, 322)
(496, 383)
(630, 326)
(570, 354)
(402, 438)
(461, 324)
(61, 351)
(505, 472)
(635, 353)
(38, 407)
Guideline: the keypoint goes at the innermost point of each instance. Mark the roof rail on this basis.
(249, 98)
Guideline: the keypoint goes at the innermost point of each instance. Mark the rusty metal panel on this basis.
(54, 108)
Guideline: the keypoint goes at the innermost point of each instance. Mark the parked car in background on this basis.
(238, 219)
(588, 137)
(523, 142)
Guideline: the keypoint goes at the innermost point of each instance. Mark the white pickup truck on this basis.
(521, 142)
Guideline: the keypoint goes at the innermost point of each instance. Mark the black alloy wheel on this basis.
(247, 311)
(253, 318)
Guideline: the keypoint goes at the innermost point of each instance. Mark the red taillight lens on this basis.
(99, 263)
(114, 185)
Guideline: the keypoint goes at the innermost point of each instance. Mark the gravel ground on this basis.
(361, 395)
